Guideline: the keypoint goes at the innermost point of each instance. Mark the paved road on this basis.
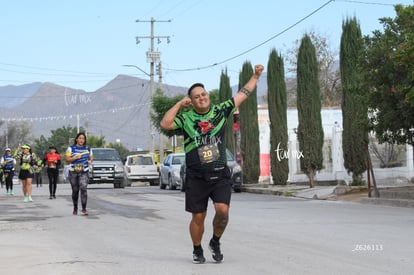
(144, 230)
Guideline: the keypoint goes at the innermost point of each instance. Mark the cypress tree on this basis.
(310, 131)
(354, 110)
(277, 102)
(249, 130)
(224, 94)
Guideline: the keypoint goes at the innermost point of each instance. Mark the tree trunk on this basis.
(311, 176)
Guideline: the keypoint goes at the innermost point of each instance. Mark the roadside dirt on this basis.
(354, 195)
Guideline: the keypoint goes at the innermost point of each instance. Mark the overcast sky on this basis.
(84, 44)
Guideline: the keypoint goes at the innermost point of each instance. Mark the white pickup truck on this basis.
(141, 167)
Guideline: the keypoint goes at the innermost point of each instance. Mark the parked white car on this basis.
(141, 167)
(170, 171)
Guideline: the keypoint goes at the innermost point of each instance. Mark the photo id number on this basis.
(368, 247)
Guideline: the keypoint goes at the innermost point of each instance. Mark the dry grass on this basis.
(354, 195)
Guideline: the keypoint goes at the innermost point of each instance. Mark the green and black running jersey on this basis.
(204, 134)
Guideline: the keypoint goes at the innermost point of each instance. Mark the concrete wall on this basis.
(334, 169)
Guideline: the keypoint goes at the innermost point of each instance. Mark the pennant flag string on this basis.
(70, 116)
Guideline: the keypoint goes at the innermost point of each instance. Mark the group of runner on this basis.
(30, 170)
(78, 156)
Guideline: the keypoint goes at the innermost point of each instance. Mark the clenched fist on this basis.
(258, 70)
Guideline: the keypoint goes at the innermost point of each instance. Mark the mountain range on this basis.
(119, 110)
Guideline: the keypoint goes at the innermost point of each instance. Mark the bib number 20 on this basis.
(208, 153)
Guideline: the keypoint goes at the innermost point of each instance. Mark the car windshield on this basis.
(144, 160)
(104, 154)
(178, 160)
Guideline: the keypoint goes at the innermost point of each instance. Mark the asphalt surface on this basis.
(144, 230)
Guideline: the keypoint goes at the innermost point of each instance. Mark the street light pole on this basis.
(138, 68)
(151, 75)
(152, 131)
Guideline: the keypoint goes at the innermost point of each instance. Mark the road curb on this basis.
(400, 196)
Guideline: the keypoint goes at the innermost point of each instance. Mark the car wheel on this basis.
(128, 182)
(123, 183)
(162, 186)
(170, 183)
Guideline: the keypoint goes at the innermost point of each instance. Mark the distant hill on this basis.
(11, 96)
(118, 111)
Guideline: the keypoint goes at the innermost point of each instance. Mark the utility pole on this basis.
(152, 58)
(159, 71)
(7, 134)
(161, 136)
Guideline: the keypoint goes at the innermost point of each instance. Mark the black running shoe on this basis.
(198, 257)
(215, 250)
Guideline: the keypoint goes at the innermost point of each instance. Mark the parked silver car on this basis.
(170, 171)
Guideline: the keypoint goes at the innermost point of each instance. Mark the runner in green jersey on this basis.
(207, 175)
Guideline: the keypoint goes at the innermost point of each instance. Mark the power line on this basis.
(255, 47)
(276, 35)
(174, 9)
(366, 3)
(70, 76)
(78, 73)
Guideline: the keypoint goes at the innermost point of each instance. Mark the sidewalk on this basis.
(291, 190)
(339, 192)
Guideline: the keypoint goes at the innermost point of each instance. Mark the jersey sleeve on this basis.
(178, 122)
(228, 107)
(68, 152)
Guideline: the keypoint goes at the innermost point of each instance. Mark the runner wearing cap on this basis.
(26, 174)
(7, 164)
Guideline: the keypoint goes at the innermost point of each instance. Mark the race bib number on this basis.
(78, 168)
(208, 153)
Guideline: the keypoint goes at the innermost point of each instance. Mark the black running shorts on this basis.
(199, 190)
(25, 174)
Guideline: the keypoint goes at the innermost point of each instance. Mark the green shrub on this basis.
(358, 183)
